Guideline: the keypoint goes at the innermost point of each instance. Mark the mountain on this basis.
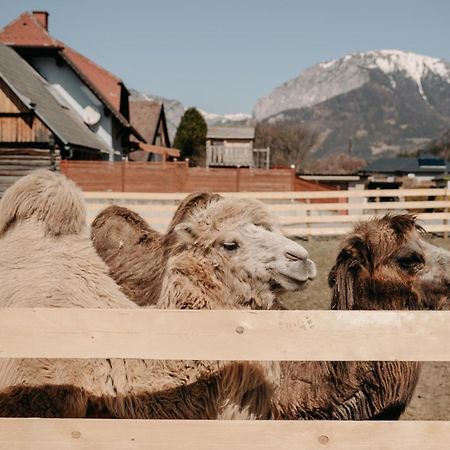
(375, 103)
(174, 110)
(234, 119)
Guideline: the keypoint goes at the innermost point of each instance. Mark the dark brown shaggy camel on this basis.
(124, 240)
(385, 264)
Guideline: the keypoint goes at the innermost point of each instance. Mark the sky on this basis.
(223, 56)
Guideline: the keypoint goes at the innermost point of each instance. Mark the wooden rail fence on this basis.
(318, 213)
(225, 335)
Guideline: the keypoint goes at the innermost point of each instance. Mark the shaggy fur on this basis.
(231, 254)
(55, 265)
(123, 239)
(383, 264)
(224, 254)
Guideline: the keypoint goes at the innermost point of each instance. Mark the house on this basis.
(36, 128)
(149, 119)
(96, 95)
(234, 147)
(423, 168)
(336, 181)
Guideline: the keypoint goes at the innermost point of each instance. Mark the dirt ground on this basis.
(431, 399)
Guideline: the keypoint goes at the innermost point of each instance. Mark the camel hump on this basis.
(46, 197)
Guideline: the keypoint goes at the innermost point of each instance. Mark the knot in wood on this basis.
(240, 329)
(76, 434)
(323, 439)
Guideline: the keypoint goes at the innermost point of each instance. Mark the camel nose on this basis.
(296, 252)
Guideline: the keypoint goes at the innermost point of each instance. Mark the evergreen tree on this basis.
(190, 137)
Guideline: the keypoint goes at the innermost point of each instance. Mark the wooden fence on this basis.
(302, 213)
(224, 335)
(173, 177)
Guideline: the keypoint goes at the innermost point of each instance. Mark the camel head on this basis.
(242, 239)
(386, 264)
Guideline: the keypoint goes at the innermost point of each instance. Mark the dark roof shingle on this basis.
(35, 93)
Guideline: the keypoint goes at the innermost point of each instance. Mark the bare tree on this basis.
(341, 163)
(289, 143)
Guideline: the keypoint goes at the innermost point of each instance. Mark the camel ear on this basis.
(185, 231)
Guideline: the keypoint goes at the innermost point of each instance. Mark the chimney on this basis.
(42, 18)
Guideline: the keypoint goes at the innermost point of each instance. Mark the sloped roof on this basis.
(423, 164)
(28, 31)
(224, 133)
(145, 116)
(35, 94)
(104, 81)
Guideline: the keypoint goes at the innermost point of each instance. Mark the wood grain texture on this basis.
(54, 434)
(225, 335)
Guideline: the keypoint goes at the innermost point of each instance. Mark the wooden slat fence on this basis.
(174, 176)
(236, 335)
(302, 213)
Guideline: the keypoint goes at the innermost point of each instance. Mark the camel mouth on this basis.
(283, 281)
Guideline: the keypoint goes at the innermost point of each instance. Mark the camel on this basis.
(52, 263)
(121, 237)
(124, 239)
(384, 264)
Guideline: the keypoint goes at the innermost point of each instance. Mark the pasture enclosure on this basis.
(321, 213)
(238, 335)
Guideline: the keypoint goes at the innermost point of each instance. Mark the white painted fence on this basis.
(302, 213)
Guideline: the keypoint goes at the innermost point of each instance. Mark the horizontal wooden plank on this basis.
(294, 230)
(279, 209)
(352, 218)
(87, 434)
(225, 335)
(401, 193)
(411, 205)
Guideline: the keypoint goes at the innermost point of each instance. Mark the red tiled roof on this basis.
(28, 31)
(105, 82)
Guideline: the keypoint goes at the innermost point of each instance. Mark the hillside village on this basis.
(62, 110)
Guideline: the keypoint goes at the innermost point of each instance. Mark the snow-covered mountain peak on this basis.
(212, 118)
(331, 78)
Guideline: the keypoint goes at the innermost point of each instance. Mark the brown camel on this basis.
(384, 264)
(122, 238)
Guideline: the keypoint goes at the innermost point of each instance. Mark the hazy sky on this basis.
(223, 56)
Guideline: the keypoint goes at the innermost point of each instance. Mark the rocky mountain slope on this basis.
(373, 103)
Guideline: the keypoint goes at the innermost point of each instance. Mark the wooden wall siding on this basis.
(17, 124)
(17, 162)
(173, 177)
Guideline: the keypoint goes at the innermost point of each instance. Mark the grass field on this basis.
(432, 397)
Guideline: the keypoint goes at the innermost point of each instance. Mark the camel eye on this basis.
(230, 246)
(411, 261)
